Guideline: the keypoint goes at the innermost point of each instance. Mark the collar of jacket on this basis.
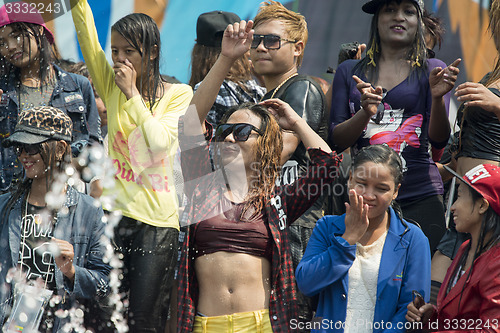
(67, 82)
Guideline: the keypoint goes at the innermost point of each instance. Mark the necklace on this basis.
(23, 232)
(282, 83)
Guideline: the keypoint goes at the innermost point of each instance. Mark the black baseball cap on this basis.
(210, 27)
(371, 7)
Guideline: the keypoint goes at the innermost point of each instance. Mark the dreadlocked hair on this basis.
(204, 57)
(45, 50)
(142, 33)
(267, 155)
(417, 51)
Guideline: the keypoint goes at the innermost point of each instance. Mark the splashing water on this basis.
(94, 163)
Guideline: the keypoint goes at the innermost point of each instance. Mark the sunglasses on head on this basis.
(240, 131)
(271, 42)
(29, 149)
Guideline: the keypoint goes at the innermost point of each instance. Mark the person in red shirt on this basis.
(469, 297)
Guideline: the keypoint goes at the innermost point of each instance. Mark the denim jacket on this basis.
(82, 226)
(72, 94)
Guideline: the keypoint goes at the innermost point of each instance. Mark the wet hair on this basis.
(295, 23)
(267, 154)
(204, 57)
(380, 154)
(142, 33)
(45, 49)
(417, 52)
(53, 166)
(494, 27)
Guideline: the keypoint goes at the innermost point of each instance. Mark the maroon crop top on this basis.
(226, 232)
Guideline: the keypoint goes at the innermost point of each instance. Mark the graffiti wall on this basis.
(331, 23)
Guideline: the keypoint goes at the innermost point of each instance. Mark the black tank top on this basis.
(480, 132)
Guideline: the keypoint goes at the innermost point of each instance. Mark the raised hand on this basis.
(442, 80)
(476, 94)
(370, 97)
(237, 39)
(125, 78)
(356, 218)
(286, 117)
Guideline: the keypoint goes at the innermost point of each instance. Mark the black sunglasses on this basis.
(271, 42)
(29, 149)
(240, 131)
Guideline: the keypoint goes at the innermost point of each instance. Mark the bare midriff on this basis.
(232, 282)
(464, 164)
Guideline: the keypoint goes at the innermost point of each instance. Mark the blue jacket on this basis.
(405, 266)
(82, 226)
(72, 94)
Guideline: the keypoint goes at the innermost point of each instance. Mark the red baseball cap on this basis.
(484, 179)
(10, 13)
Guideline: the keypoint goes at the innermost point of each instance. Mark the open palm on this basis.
(442, 80)
(237, 39)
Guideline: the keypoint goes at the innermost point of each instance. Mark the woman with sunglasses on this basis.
(396, 95)
(31, 220)
(236, 264)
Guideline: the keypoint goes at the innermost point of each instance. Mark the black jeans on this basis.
(149, 258)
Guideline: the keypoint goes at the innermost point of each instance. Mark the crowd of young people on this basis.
(256, 246)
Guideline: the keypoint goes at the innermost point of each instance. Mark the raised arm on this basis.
(235, 43)
(327, 259)
(100, 70)
(289, 120)
(345, 133)
(476, 94)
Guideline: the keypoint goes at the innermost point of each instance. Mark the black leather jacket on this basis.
(307, 99)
